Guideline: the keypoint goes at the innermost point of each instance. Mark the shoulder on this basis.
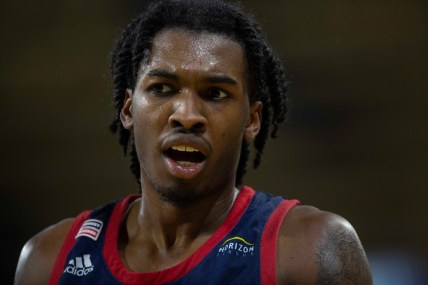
(39, 254)
(318, 247)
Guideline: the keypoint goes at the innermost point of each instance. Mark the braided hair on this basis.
(266, 76)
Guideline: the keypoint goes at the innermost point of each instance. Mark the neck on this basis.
(175, 226)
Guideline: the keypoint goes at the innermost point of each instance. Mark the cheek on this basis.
(148, 114)
(148, 124)
(232, 128)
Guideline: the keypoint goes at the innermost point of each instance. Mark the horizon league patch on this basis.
(91, 228)
(236, 246)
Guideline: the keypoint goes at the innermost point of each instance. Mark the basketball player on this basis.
(195, 84)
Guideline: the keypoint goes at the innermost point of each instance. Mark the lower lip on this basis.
(183, 172)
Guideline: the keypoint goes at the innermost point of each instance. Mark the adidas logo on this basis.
(80, 266)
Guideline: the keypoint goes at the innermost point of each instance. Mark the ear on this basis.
(252, 127)
(126, 112)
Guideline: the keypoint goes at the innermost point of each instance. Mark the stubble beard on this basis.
(176, 195)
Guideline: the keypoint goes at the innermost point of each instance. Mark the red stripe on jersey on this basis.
(268, 246)
(68, 244)
(88, 232)
(122, 274)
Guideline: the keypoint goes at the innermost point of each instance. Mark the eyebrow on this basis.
(220, 78)
(162, 73)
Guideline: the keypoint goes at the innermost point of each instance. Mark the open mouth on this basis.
(185, 155)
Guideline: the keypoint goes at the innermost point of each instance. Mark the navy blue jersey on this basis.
(241, 251)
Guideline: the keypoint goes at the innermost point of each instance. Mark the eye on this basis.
(216, 94)
(161, 89)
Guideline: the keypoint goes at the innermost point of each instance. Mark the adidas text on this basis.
(79, 266)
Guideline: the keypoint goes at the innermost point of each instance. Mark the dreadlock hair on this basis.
(266, 76)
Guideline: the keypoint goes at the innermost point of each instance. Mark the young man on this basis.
(195, 84)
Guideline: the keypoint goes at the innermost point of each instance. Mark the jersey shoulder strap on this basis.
(269, 241)
(90, 224)
(67, 246)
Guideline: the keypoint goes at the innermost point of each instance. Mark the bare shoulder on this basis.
(318, 247)
(39, 253)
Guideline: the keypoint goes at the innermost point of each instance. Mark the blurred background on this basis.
(354, 144)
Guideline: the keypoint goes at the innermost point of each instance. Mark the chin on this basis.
(178, 195)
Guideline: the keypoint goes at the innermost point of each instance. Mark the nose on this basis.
(188, 112)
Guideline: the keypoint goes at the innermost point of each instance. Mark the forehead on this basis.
(179, 49)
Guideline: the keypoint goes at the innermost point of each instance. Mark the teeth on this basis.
(184, 148)
(186, 163)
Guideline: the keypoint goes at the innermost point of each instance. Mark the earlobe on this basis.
(253, 125)
(126, 112)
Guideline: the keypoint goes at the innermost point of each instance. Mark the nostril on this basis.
(198, 126)
(176, 124)
(194, 124)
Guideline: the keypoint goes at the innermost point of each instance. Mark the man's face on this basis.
(189, 113)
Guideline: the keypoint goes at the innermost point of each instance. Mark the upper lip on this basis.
(179, 139)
